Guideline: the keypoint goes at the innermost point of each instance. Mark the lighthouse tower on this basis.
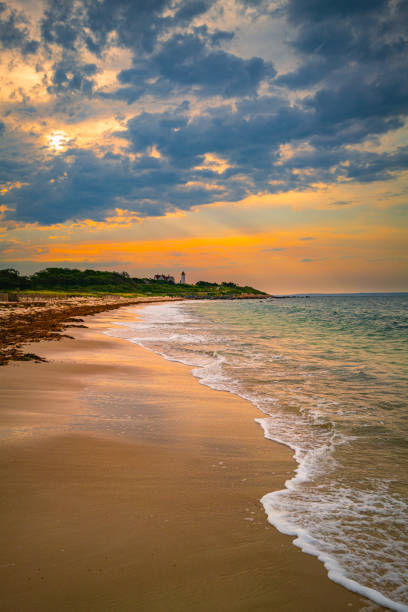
(183, 279)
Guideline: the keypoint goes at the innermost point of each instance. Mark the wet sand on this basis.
(128, 486)
(31, 319)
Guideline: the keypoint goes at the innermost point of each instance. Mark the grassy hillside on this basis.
(95, 282)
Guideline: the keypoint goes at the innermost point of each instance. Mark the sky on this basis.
(263, 142)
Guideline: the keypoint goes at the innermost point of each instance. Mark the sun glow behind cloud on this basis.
(57, 141)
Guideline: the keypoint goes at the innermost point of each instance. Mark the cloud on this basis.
(307, 238)
(136, 25)
(350, 55)
(336, 36)
(189, 9)
(14, 31)
(70, 76)
(133, 24)
(273, 250)
(80, 184)
(188, 62)
(168, 55)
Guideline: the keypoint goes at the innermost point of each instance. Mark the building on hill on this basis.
(183, 278)
(164, 277)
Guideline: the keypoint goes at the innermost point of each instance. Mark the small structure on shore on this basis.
(183, 278)
(164, 277)
(8, 297)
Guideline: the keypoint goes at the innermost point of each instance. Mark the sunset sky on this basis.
(261, 142)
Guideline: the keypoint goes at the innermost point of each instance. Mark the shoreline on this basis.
(33, 320)
(299, 539)
(128, 485)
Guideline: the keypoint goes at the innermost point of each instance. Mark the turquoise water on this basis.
(329, 376)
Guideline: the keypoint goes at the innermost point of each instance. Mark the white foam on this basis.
(314, 456)
(335, 572)
(310, 545)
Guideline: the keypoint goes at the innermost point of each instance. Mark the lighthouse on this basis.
(183, 279)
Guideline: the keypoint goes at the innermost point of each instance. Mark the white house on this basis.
(164, 277)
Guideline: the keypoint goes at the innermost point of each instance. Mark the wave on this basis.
(325, 503)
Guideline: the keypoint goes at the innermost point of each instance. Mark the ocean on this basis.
(329, 375)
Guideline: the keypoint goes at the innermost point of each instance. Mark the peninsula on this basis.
(43, 306)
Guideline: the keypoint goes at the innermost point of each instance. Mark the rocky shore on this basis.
(32, 320)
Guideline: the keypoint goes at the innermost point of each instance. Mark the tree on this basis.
(205, 284)
(11, 279)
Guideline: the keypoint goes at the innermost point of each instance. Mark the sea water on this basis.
(329, 377)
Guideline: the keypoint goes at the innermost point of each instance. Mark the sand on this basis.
(128, 486)
(32, 319)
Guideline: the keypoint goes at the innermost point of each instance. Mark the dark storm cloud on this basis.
(352, 54)
(193, 62)
(71, 76)
(382, 166)
(250, 137)
(12, 170)
(99, 24)
(79, 184)
(14, 33)
(355, 100)
(20, 155)
(183, 61)
(62, 23)
(335, 39)
(134, 24)
(189, 9)
(62, 190)
(301, 11)
(221, 131)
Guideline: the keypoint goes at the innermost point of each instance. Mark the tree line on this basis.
(67, 279)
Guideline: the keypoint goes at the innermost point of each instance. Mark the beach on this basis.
(127, 485)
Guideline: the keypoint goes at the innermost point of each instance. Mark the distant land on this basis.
(96, 282)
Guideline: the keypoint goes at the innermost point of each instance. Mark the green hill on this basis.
(96, 282)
